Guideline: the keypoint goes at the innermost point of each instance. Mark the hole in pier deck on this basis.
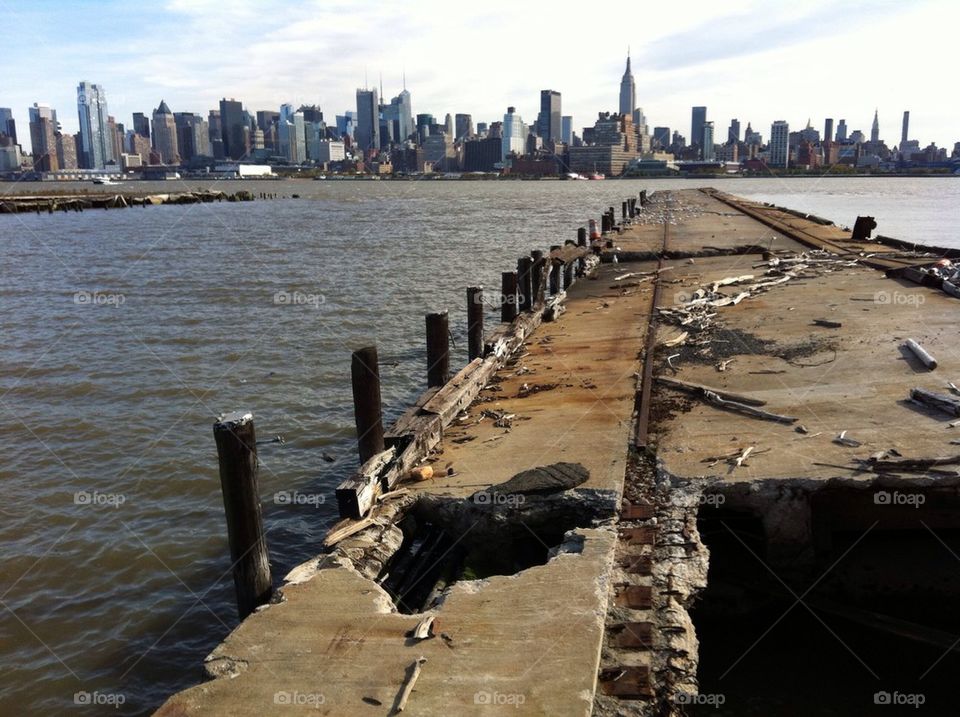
(879, 623)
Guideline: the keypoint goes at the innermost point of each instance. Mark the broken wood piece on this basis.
(743, 455)
(722, 365)
(844, 440)
(336, 536)
(939, 401)
(357, 494)
(696, 387)
(929, 361)
(953, 387)
(827, 323)
(676, 340)
(714, 399)
(410, 682)
(912, 464)
(424, 629)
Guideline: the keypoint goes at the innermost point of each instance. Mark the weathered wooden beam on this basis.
(357, 494)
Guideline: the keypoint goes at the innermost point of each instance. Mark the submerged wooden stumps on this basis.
(367, 406)
(237, 452)
(525, 281)
(438, 349)
(555, 268)
(474, 322)
(508, 296)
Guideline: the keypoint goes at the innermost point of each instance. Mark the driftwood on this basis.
(939, 401)
(424, 629)
(929, 361)
(827, 323)
(912, 464)
(352, 527)
(699, 388)
(410, 682)
(712, 398)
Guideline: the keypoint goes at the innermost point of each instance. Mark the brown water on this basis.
(125, 332)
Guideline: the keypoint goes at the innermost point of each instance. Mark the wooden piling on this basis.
(438, 349)
(567, 275)
(538, 279)
(582, 236)
(525, 283)
(474, 322)
(508, 296)
(367, 404)
(623, 210)
(237, 452)
(555, 268)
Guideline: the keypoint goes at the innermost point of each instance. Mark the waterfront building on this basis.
(141, 124)
(327, 150)
(193, 135)
(140, 145)
(67, 151)
(368, 120)
(828, 129)
(482, 155)
(549, 119)
(96, 145)
(875, 129)
(8, 126)
(234, 130)
(566, 129)
(752, 138)
(779, 144)
(165, 135)
(698, 116)
(10, 157)
(628, 91)
(404, 115)
(215, 133)
(733, 133)
(661, 137)
(438, 150)
(115, 137)
(43, 137)
(346, 124)
(514, 138)
(463, 125)
(905, 132)
(291, 135)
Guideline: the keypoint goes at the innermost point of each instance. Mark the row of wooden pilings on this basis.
(521, 290)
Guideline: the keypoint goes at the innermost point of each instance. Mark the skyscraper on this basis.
(733, 133)
(464, 126)
(875, 129)
(514, 137)
(165, 135)
(96, 144)
(828, 129)
(7, 124)
(141, 124)
(628, 91)
(698, 116)
(842, 131)
(905, 133)
(368, 120)
(193, 135)
(43, 137)
(707, 152)
(661, 137)
(780, 144)
(233, 129)
(566, 129)
(549, 120)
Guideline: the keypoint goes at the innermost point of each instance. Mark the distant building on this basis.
(424, 123)
(438, 149)
(346, 124)
(96, 145)
(905, 132)
(464, 126)
(482, 155)
(549, 120)
(751, 138)
(661, 137)
(482, 129)
(841, 131)
(8, 126)
(698, 116)
(367, 132)
(707, 153)
(67, 151)
(141, 124)
(233, 130)
(628, 91)
(514, 138)
(733, 133)
(566, 129)
(779, 145)
(828, 129)
(43, 137)
(193, 135)
(448, 126)
(875, 129)
(291, 135)
(165, 135)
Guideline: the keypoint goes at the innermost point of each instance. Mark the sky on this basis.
(756, 60)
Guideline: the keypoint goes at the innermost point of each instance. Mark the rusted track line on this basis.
(646, 381)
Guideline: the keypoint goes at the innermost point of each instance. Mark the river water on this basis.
(125, 332)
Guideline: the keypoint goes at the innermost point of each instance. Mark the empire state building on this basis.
(628, 91)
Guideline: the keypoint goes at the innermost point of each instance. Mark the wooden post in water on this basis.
(438, 349)
(582, 236)
(604, 223)
(237, 452)
(474, 322)
(525, 283)
(508, 296)
(568, 270)
(555, 268)
(537, 277)
(623, 210)
(367, 405)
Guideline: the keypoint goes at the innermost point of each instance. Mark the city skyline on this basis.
(672, 71)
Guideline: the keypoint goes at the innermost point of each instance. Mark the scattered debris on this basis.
(939, 401)
(843, 440)
(423, 630)
(801, 429)
(827, 323)
(414, 674)
(421, 473)
(722, 365)
(929, 361)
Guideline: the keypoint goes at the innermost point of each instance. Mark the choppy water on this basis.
(124, 333)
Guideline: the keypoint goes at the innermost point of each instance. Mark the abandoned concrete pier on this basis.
(705, 366)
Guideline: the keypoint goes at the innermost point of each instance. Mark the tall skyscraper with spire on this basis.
(875, 130)
(628, 91)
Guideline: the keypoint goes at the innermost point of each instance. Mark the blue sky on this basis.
(758, 61)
